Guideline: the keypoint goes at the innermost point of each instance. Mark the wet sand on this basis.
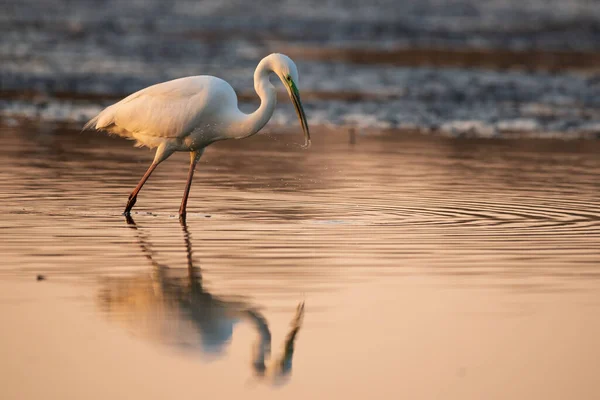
(498, 59)
(429, 267)
(485, 69)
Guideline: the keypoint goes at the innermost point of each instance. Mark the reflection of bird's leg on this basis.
(162, 153)
(194, 277)
(142, 241)
(158, 275)
(194, 157)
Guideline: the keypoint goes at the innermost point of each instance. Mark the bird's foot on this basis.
(130, 204)
(182, 216)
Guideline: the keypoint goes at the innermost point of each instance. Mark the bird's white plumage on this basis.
(171, 111)
(188, 114)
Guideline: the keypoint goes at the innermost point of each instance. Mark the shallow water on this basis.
(429, 268)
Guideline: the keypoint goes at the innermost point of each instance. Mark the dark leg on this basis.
(194, 157)
(133, 195)
(194, 273)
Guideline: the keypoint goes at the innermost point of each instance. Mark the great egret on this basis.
(188, 114)
(172, 306)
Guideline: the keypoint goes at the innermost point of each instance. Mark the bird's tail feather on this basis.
(91, 124)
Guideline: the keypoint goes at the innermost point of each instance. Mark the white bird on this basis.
(188, 114)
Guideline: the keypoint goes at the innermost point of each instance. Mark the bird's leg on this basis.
(194, 157)
(133, 195)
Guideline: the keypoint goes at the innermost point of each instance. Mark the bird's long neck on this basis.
(249, 124)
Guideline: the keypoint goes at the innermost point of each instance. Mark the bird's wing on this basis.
(168, 110)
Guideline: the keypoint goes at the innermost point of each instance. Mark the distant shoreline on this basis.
(353, 132)
(492, 69)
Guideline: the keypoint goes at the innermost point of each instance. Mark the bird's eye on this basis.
(289, 78)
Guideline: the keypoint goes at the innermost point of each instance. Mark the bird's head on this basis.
(286, 70)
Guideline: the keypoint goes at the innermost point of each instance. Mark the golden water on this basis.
(429, 268)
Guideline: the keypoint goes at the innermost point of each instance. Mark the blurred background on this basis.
(431, 267)
(461, 67)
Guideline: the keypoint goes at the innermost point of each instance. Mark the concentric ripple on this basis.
(398, 204)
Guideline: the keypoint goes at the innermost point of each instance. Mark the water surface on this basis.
(428, 268)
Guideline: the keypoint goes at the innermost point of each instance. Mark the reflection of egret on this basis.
(179, 311)
(188, 114)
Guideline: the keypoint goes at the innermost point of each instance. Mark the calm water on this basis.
(428, 268)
